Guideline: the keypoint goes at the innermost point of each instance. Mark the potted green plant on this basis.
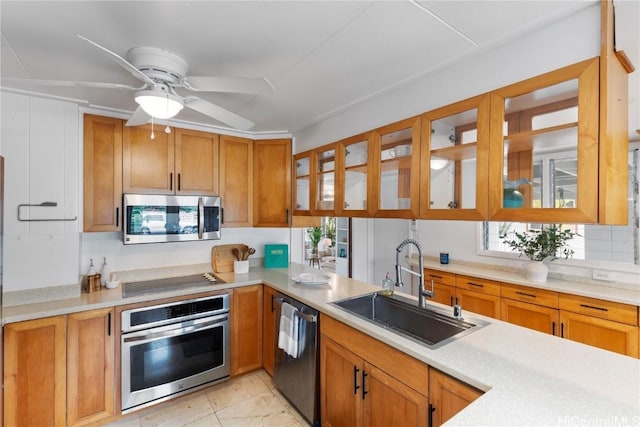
(547, 244)
(315, 235)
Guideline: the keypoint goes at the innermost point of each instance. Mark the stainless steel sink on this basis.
(430, 326)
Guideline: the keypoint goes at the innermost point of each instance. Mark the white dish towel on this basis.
(288, 333)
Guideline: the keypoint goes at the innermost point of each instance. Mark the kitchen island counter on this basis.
(529, 378)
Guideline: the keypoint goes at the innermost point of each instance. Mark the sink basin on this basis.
(432, 326)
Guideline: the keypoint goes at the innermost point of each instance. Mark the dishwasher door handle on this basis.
(311, 318)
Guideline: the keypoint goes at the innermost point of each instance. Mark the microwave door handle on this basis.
(200, 218)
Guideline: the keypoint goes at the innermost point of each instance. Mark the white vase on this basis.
(536, 271)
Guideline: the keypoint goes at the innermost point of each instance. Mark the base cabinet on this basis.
(35, 372)
(373, 385)
(448, 396)
(602, 333)
(246, 329)
(268, 330)
(60, 370)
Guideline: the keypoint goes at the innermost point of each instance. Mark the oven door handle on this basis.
(151, 336)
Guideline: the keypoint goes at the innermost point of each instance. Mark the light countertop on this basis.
(529, 378)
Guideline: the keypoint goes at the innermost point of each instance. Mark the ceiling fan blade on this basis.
(216, 112)
(259, 86)
(42, 82)
(121, 61)
(139, 117)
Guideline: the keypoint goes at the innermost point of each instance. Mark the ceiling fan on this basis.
(161, 73)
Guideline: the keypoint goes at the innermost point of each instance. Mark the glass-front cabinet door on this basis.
(302, 172)
(544, 152)
(397, 177)
(454, 176)
(355, 180)
(325, 180)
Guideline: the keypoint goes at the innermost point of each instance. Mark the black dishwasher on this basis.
(297, 376)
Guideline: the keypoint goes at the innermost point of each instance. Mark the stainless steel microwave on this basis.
(155, 218)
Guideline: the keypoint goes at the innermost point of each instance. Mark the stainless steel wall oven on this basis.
(171, 348)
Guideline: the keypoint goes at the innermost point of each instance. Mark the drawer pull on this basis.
(525, 294)
(355, 380)
(435, 276)
(478, 285)
(594, 307)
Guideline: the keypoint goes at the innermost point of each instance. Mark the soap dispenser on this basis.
(387, 285)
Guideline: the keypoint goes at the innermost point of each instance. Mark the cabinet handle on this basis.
(478, 285)
(430, 412)
(561, 329)
(118, 217)
(109, 324)
(435, 276)
(273, 308)
(452, 301)
(355, 380)
(179, 181)
(171, 181)
(286, 212)
(553, 328)
(364, 391)
(594, 307)
(525, 294)
(221, 215)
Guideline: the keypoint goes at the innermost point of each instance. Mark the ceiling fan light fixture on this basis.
(158, 104)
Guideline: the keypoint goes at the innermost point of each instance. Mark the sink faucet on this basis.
(422, 292)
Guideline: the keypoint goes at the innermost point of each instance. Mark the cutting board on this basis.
(222, 257)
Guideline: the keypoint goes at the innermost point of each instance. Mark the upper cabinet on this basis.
(544, 147)
(236, 181)
(180, 162)
(271, 183)
(324, 187)
(302, 191)
(102, 173)
(356, 190)
(455, 161)
(397, 169)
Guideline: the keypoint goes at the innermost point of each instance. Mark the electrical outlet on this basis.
(603, 275)
(414, 225)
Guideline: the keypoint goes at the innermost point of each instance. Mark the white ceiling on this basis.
(321, 56)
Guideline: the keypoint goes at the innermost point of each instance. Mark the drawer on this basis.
(484, 286)
(615, 311)
(531, 295)
(438, 277)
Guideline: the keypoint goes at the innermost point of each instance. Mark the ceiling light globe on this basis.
(159, 106)
(437, 164)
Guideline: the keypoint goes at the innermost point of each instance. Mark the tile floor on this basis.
(248, 401)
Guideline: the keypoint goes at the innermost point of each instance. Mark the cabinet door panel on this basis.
(102, 173)
(340, 379)
(272, 183)
(475, 302)
(196, 162)
(35, 372)
(389, 402)
(543, 319)
(90, 366)
(236, 182)
(613, 336)
(147, 164)
(448, 396)
(246, 329)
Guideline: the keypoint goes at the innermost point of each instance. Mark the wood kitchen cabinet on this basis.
(448, 396)
(236, 181)
(246, 329)
(356, 187)
(90, 366)
(604, 324)
(102, 173)
(268, 329)
(35, 370)
(369, 384)
(530, 307)
(327, 163)
(60, 370)
(396, 169)
(180, 162)
(444, 290)
(272, 183)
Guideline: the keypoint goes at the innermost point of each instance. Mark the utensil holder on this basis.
(241, 267)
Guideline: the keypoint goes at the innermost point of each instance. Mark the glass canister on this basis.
(387, 285)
